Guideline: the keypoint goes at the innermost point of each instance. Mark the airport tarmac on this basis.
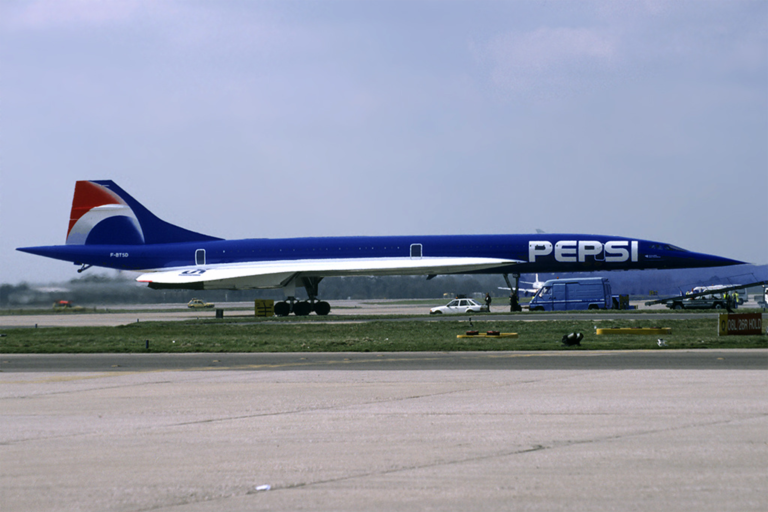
(479, 431)
(122, 315)
(130, 313)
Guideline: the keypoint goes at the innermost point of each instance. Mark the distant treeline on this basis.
(99, 289)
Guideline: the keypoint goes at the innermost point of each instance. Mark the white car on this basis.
(460, 306)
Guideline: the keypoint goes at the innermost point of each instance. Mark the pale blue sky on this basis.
(279, 119)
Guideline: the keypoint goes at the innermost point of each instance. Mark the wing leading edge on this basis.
(276, 274)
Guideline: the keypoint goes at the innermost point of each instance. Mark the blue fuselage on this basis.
(535, 253)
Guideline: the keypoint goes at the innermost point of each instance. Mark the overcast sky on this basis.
(280, 119)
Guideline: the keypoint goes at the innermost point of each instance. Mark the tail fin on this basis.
(103, 213)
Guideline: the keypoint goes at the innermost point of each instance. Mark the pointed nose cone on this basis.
(697, 259)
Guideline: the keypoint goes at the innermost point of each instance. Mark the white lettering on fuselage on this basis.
(565, 251)
(196, 272)
(571, 251)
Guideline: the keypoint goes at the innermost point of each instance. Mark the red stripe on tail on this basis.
(88, 196)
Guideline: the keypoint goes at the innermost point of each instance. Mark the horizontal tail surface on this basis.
(104, 214)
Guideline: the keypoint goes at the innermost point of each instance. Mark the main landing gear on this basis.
(516, 288)
(303, 307)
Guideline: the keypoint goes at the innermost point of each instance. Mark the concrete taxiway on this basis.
(675, 430)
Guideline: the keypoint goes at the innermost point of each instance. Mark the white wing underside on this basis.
(276, 274)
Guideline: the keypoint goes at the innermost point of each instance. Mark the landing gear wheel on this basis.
(302, 308)
(282, 309)
(322, 308)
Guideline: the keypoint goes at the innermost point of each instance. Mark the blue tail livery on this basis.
(109, 228)
(104, 214)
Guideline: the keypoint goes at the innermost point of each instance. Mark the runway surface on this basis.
(394, 361)
(661, 430)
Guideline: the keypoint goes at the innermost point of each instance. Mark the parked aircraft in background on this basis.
(527, 290)
(109, 228)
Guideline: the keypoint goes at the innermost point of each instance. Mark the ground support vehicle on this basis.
(703, 303)
(573, 294)
(66, 306)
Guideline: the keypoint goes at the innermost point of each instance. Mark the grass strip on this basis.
(369, 336)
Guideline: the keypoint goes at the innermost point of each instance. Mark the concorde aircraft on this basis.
(109, 228)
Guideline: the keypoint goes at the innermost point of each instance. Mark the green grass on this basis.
(375, 336)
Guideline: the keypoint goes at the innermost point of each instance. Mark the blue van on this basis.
(573, 294)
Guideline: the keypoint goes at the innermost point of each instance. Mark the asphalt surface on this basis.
(348, 432)
(388, 361)
(542, 431)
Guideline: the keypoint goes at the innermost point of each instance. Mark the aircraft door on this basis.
(558, 297)
(200, 257)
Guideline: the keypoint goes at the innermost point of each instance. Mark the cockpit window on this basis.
(666, 247)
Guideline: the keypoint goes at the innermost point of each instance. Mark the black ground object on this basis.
(572, 339)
